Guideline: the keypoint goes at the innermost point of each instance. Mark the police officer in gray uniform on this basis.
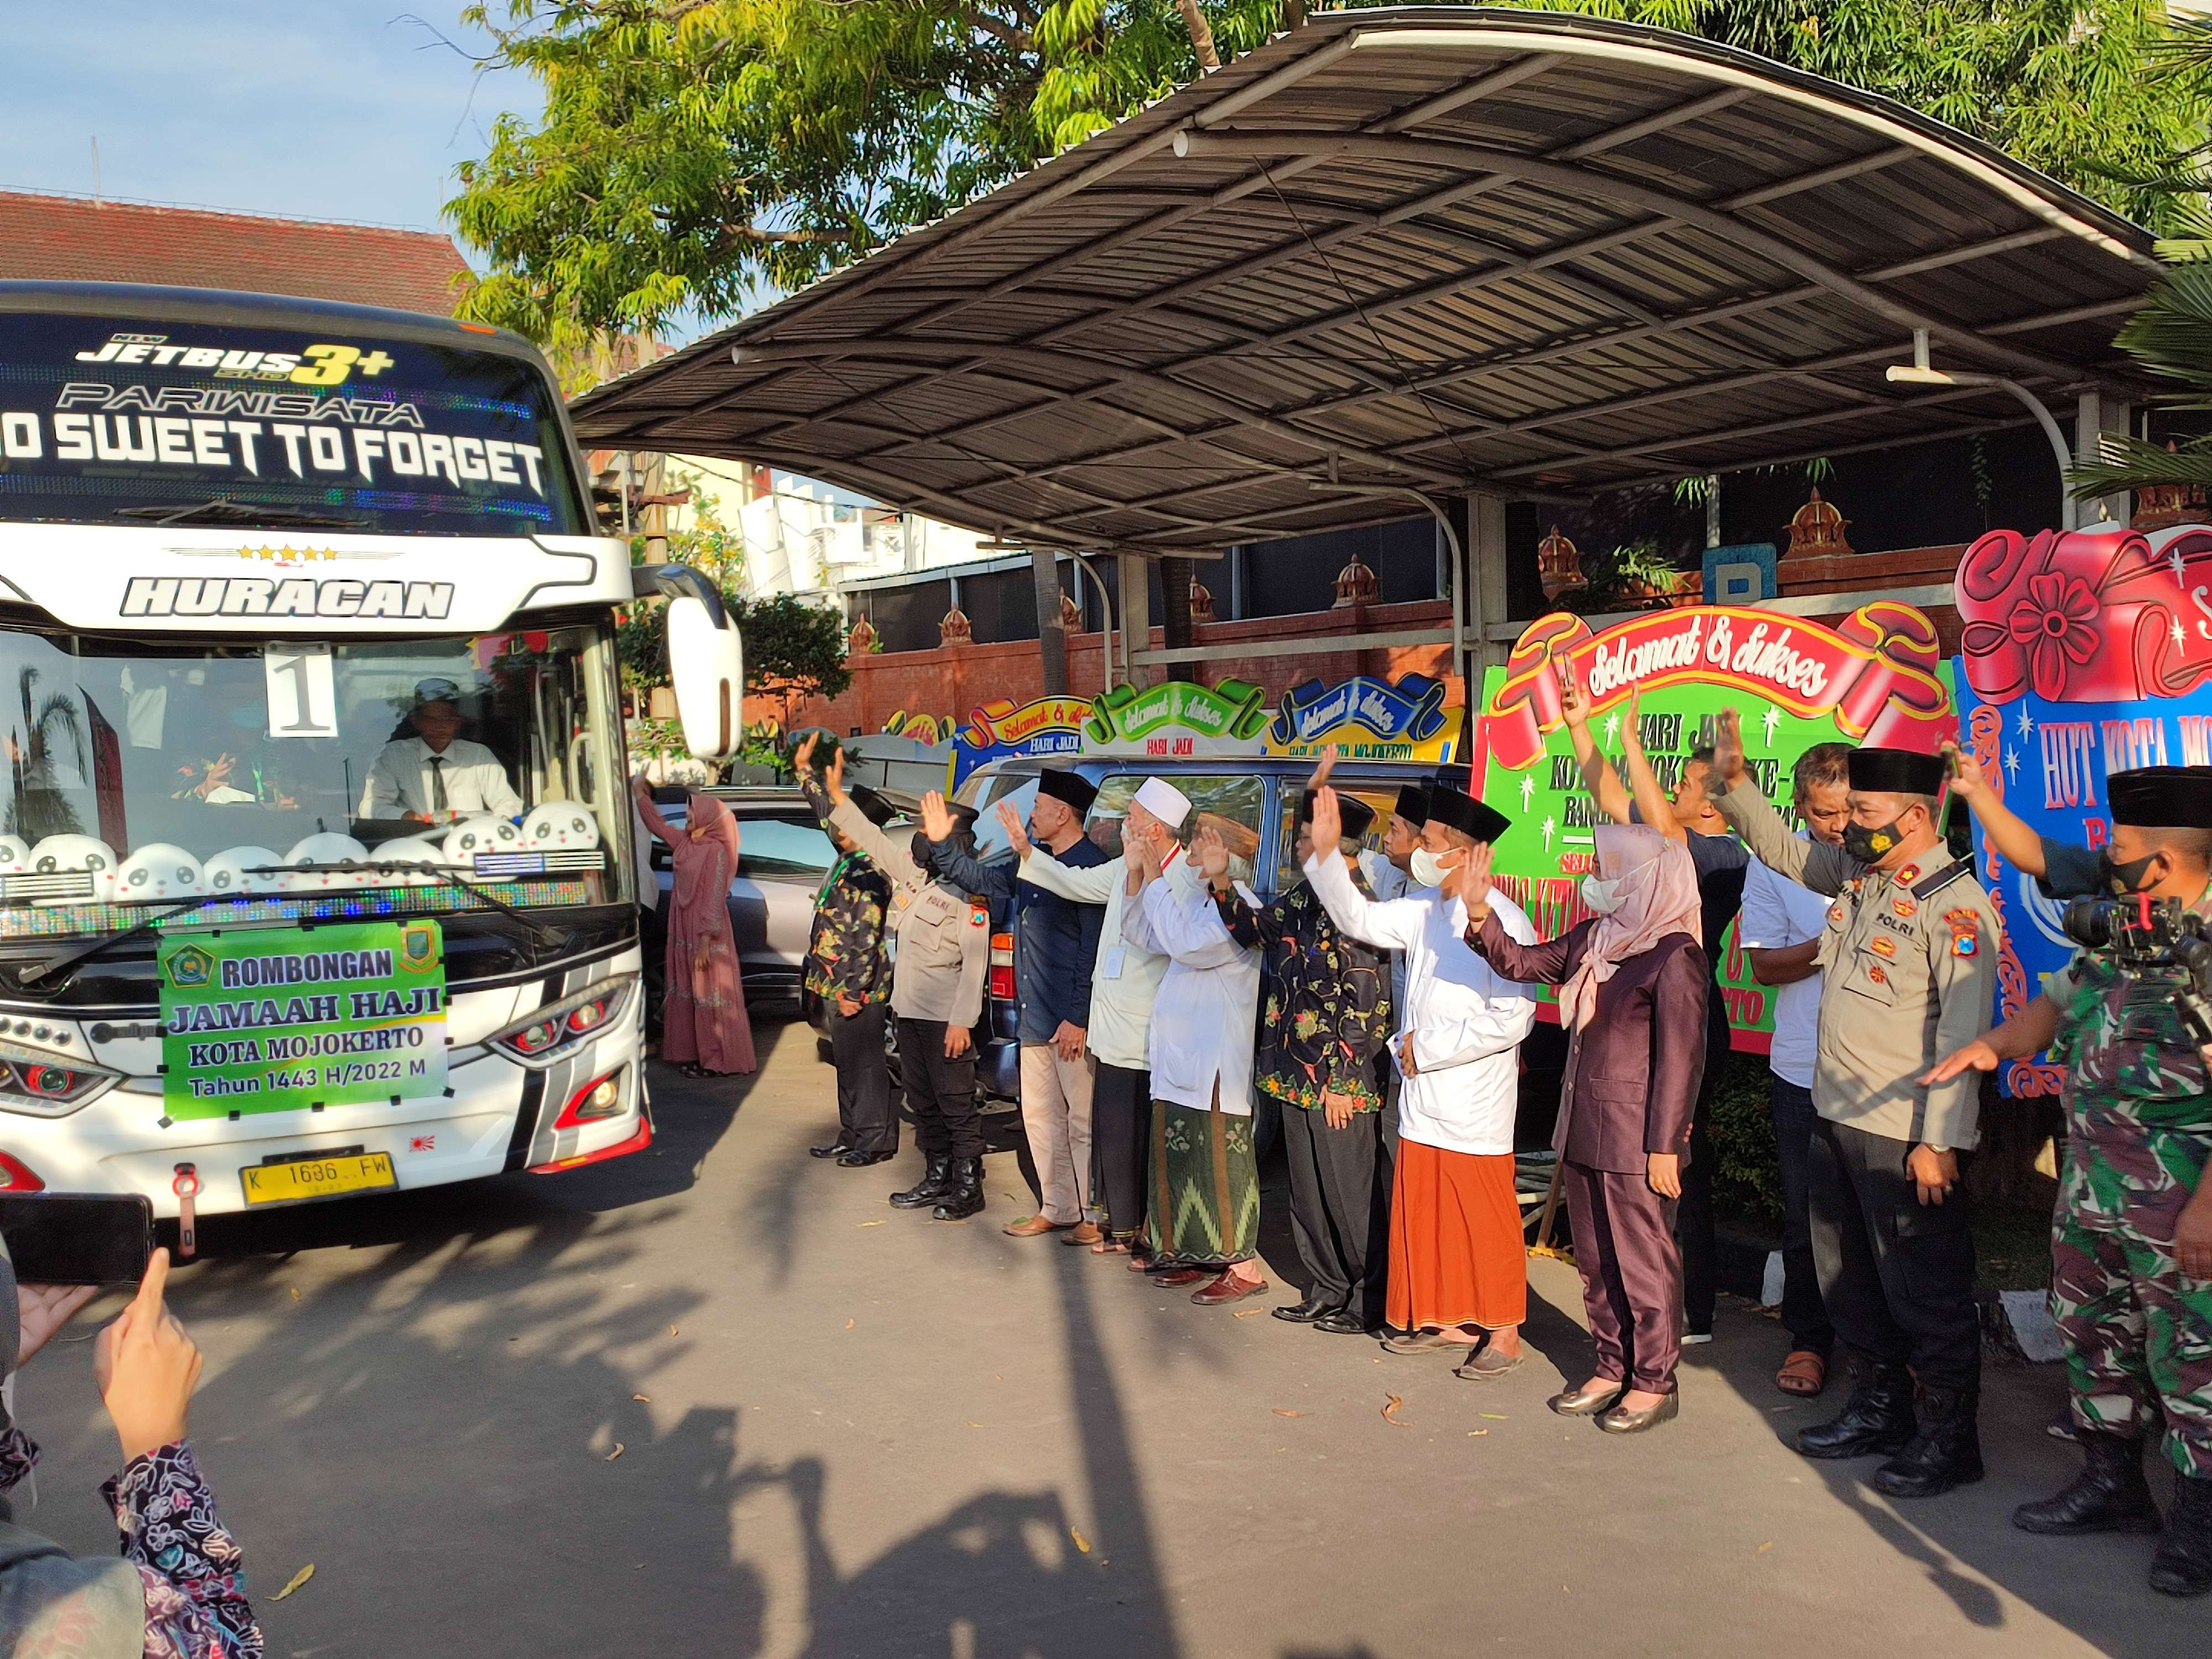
(937, 973)
(1908, 960)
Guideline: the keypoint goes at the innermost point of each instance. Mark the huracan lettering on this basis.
(294, 596)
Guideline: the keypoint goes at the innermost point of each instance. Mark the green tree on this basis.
(2171, 336)
(696, 156)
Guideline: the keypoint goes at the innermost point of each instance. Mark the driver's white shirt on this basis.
(399, 780)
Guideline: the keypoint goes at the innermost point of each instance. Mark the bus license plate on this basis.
(296, 1179)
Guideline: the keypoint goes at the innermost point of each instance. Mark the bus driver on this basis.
(437, 775)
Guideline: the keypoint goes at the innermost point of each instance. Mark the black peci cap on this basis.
(1355, 814)
(1072, 788)
(1457, 810)
(1412, 804)
(874, 807)
(1897, 771)
(2161, 797)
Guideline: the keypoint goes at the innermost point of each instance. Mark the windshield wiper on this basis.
(39, 972)
(222, 510)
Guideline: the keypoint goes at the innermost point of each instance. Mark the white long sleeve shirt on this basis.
(400, 781)
(1127, 975)
(1387, 881)
(1208, 1001)
(1466, 1021)
(1778, 912)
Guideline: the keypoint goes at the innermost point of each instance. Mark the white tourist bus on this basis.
(263, 937)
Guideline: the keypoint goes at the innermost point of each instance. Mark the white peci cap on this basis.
(1163, 801)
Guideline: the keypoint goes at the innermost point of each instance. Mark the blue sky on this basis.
(327, 109)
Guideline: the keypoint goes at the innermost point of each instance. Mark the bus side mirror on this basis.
(706, 662)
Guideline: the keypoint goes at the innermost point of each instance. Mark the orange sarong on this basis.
(1457, 1254)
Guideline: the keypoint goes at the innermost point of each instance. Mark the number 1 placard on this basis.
(303, 697)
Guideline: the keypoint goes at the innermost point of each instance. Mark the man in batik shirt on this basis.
(1328, 1022)
(848, 967)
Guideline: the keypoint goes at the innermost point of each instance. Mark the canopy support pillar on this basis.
(1051, 638)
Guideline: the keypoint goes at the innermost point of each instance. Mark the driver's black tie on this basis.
(438, 784)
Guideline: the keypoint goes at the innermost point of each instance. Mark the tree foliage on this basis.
(696, 156)
(793, 650)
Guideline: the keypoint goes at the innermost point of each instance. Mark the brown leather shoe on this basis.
(1084, 1232)
(1174, 1278)
(1486, 1365)
(1029, 1226)
(1228, 1288)
(1424, 1342)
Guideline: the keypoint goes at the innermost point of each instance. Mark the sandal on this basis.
(1110, 1245)
(695, 1070)
(1803, 1373)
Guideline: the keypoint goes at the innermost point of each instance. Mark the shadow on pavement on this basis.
(1964, 1543)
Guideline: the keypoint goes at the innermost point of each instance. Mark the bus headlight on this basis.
(41, 1085)
(545, 1034)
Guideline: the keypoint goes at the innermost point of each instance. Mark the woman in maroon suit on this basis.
(1632, 983)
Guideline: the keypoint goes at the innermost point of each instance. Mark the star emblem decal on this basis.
(2026, 725)
(2180, 566)
(1611, 727)
(2012, 762)
(1773, 719)
(1550, 829)
(1528, 788)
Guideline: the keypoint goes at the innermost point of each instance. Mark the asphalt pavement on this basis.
(720, 1400)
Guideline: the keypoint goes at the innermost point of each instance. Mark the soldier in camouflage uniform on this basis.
(2131, 1244)
(848, 967)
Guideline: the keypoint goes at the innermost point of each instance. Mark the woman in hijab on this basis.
(1631, 979)
(176, 1591)
(703, 1026)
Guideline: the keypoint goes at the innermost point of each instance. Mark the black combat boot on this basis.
(936, 1179)
(964, 1197)
(1945, 1450)
(2109, 1496)
(2183, 1566)
(1877, 1418)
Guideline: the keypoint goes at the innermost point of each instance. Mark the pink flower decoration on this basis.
(2052, 624)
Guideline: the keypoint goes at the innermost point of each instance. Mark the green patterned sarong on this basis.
(1206, 1187)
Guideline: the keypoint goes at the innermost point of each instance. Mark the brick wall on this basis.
(954, 679)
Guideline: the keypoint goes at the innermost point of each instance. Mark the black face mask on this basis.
(921, 849)
(2123, 879)
(1872, 846)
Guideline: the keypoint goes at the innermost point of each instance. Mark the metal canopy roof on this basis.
(1426, 249)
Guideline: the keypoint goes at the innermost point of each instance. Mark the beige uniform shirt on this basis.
(1908, 962)
(944, 947)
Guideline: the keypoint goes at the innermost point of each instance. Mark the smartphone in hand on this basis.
(77, 1238)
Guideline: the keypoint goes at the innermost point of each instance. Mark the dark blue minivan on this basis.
(1257, 790)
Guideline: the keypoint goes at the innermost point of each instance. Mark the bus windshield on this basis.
(142, 774)
(117, 422)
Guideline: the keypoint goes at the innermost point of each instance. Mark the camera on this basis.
(2142, 934)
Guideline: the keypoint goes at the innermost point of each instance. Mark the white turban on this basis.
(1163, 801)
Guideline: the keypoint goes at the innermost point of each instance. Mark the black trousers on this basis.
(1898, 1276)
(1804, 1313)
(1121, 1130)
(865, 1119)
(940, 1093)
(1694, 1210)
(1339, 1214)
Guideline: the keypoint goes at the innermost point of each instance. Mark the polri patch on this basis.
(1908, 875)
(1877, 976)
(1882, 945)
(1905, 908)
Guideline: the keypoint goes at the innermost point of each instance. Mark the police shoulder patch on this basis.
(1964, 916)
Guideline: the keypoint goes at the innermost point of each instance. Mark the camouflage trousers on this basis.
(2138, 1332)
